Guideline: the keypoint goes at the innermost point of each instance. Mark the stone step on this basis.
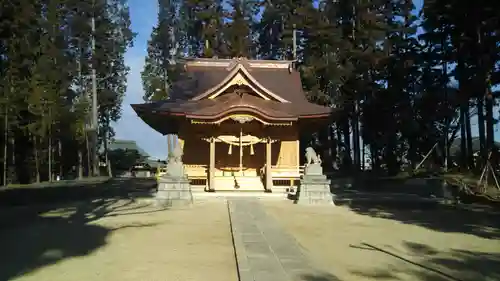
(277, 191)
(238, 183)
(239, 194)
(224, 183)
(247, 173)
(250, 183)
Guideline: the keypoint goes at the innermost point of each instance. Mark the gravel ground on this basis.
(352, 246)
(127, 240)
(121, 240)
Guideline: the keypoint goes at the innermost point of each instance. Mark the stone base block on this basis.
(173, 192)
(313, 170)
(314, 190)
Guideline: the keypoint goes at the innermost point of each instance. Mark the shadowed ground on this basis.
(427, 246)
(111, 236)
(117, 239)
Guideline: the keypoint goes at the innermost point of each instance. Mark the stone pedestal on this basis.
(173, 192)
(314, 190)
(313, 170)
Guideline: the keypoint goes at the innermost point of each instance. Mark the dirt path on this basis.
(130, 243)
(360, 247)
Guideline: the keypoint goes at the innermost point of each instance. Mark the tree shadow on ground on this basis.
(28, 203)
(34, 237)
(77, 190)
(423, 262)
(478, 221)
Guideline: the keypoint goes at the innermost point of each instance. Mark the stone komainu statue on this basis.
(312, 157)
(176, 156)
(175, 168)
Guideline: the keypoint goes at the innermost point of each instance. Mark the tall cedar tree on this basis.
(203, 21)
(163, 48)
(238, 31)
(44, 68)
(398, 95)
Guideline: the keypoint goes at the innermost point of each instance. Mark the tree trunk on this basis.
(490, 137)
(480, 105)
(463, 138)
(363, 156)
(89, 163)
(80, 164)
(347, 159)
(354, 111)
(108, 166)
(95, 154)
(338, 133)
(391, 159)
(6, 138)
(447, 120)
(464, 110)
(333, 146)
(50, 156)
(37, 160)
(355, 137)
(59, 155)
(373, 158)
(11, 171)
(468, 130)
(482, 135)
(322, 150)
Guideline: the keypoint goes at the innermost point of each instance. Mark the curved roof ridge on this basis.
(216, 62)
(235, 70)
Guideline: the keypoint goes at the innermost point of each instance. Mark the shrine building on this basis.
(238, 122)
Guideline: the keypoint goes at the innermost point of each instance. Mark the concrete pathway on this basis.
(264, 251)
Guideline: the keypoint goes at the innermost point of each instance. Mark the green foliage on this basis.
(163, 49)
(45, 63)
(123, 159)
(238, 35)
(398, 92)
(203, 23)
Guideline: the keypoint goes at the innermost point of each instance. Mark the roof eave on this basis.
(243, 109)
(315, 116)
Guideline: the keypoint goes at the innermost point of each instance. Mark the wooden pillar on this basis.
(211, 168)
(241, 153)
(269, 178)
(297, 151)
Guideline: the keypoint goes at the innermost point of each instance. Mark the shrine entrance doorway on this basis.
(241, 152)
(240, 155)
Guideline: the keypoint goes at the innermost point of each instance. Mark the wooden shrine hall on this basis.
(237, 121)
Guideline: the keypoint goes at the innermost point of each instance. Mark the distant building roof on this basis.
(155, 163)
(127, 145)
(149, 163)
